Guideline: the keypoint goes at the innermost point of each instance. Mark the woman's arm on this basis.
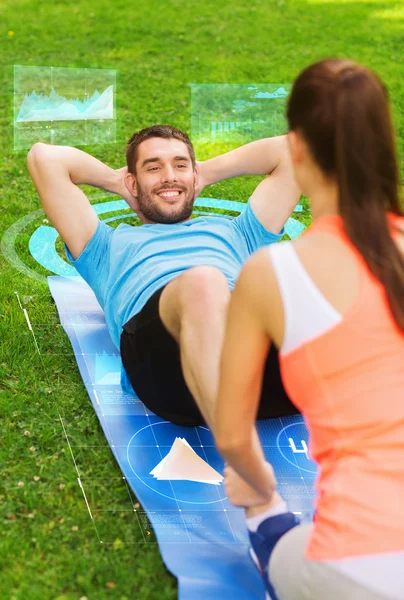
(245, 349)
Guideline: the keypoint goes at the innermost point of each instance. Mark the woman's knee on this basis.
(286, 562)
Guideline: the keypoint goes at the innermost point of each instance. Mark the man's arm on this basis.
(274, 199)
(56, 171)
(257, 158)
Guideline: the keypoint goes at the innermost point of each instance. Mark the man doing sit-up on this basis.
(165, 286)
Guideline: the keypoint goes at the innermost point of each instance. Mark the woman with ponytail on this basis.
(333, 303)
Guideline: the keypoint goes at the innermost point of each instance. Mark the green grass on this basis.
(49, 547)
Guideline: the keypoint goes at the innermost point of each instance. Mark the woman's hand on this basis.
(241, 494)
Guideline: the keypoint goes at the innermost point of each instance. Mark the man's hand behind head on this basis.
(200, 182)
(122, 188)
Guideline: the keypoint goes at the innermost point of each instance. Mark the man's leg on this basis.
(193, 308)
(274, 402)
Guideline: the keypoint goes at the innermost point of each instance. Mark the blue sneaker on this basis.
(264, 540)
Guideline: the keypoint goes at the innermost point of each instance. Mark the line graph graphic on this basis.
(40, 107)
(63, 105)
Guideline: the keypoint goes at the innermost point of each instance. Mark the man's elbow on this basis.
(283, 149)
(39, 154)
(37, 149)
(278, 149)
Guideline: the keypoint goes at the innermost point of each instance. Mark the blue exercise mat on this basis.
(202, 537)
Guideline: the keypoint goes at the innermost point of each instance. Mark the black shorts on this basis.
(151, 358)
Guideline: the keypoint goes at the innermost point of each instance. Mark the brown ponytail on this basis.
(342, 110)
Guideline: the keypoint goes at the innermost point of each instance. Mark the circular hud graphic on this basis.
(292, 443)
(148, 446)
(42, 243)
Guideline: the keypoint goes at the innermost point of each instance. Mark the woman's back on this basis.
(333, 303)
(342, 359)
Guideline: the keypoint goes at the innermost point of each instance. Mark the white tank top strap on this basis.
(308, 314)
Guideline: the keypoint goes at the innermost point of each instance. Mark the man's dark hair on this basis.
(157, 131)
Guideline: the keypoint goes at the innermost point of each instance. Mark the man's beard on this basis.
(173, 214)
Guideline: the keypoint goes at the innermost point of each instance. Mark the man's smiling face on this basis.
(165, 179)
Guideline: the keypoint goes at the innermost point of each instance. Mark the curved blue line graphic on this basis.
(294, 228)
(219, 203)
(42, 248)
(113, 206)
(194, 212)
(42, 242)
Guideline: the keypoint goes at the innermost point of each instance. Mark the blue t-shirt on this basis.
(126, 265)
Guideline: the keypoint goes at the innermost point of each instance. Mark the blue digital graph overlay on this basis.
(60, 105)
(40, 107)
(237, 113)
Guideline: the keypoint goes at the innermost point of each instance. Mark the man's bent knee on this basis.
(197, 291)
(202, 277)
(203, 288)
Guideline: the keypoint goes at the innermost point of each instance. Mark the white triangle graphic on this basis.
(183, 463)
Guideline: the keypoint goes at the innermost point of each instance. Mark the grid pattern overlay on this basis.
(194, 518)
